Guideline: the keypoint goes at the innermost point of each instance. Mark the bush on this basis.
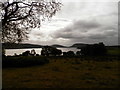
(23, 61)
(3, 52)
(69, 53)
(78, 53)
(64, 53)
(48, 50)
(94, 50)
(26, 53)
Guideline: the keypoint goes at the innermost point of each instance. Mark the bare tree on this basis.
(18, 17)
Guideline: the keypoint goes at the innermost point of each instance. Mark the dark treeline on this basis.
(96, 52)
(88, 50)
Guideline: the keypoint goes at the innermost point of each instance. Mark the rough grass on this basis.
(113, 50)
(69, 72)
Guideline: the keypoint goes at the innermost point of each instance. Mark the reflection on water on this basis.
(11, 52)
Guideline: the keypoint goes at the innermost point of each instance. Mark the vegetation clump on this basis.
(23, 61)
(94, 50)
(50, 51)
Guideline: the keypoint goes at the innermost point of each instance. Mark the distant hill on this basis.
(18, 46)
(80, 45)
(58, 46)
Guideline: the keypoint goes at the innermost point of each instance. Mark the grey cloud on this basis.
(64, 35)
(90, 24)
(103, 34)
(83, 25)
(87, 30)
(97, 36)
(77, 29)
(69, 35)
(39, 34)
(97, 24)
(111, 33)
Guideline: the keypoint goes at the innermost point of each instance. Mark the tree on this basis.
(48, 50)
(3, 52)
(70, 53)
(26, 53)
(55, 51)
(94, 49)
(19, 16)
(78, 53)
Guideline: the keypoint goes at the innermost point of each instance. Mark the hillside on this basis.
(79, 45)
(17, 46)
(58, 46)
(24, 45)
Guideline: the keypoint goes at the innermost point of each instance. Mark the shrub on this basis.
(70, 53)
(47, 50)
(78, 53)
(23, 61)
(26, 53)
(94, 50)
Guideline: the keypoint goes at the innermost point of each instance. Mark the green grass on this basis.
(113, 50)
(65, 72)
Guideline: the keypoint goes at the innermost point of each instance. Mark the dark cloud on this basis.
(111, 33)
(77, 29)
(86, 30)
(97, 36)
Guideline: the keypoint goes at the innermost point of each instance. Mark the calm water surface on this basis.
(11, 52)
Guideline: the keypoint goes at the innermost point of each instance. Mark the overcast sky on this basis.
(80, 21)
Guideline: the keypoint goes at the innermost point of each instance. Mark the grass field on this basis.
(65, 72)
